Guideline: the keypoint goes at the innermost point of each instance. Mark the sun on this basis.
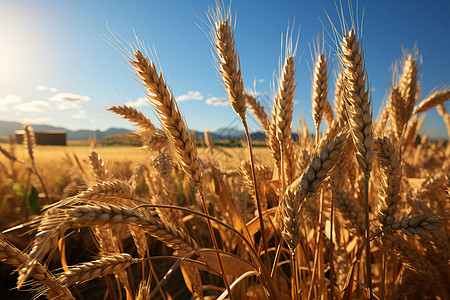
(9, 60)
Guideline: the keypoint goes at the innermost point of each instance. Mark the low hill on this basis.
(7, 128)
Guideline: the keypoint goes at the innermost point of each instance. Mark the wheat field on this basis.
(358, 210)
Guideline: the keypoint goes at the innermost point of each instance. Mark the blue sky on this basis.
(55, 70)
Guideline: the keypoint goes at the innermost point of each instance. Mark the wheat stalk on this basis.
(223, 39)
(109, 244)
(359, 114)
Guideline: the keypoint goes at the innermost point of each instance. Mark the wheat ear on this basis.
(390, 183)
(106, 189)
(396, 110)
(29, 140)
(154, 140)
(418, 225)
(109, 244)
(433, 100)
(104, 214)
(16, 258)
(409, 86)
(262, 176)
(284, 101)
(328, 113)
(342, 168)
(175, 129)
(30, 143)
(320, 89)
(163, 165)
(258, 111)
(351, 211)
(96, 268)
(306, 188)
(170, 117)
(8, 154)
(99, 169)
(229, 69)
(273, 144)
(339, 100)
(410, 257)
(56, 221)
(133, 115)
(445, 115)
(357, 102)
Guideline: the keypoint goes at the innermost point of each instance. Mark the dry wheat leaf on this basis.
(233, 265)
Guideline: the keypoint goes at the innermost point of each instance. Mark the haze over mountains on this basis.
(8, 128)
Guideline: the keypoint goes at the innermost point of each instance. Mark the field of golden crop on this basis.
(359, 210)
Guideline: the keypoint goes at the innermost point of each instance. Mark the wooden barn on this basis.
(56, 137)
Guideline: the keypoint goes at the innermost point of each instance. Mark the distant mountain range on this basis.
(8, 128)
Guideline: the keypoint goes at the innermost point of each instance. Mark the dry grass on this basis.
(287, 221)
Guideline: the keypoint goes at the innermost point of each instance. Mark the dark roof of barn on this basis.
(46, 132)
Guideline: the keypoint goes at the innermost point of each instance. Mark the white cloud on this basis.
(217, 101)
(8, 100)
(261, 80)
(139, 102)
(46, 88)
(36, 120)
(373, 89)
(81, 114)
(258, 94)
(78, 116)
(33, 106)
(191, 95)
(66, 101)
(41, 87)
